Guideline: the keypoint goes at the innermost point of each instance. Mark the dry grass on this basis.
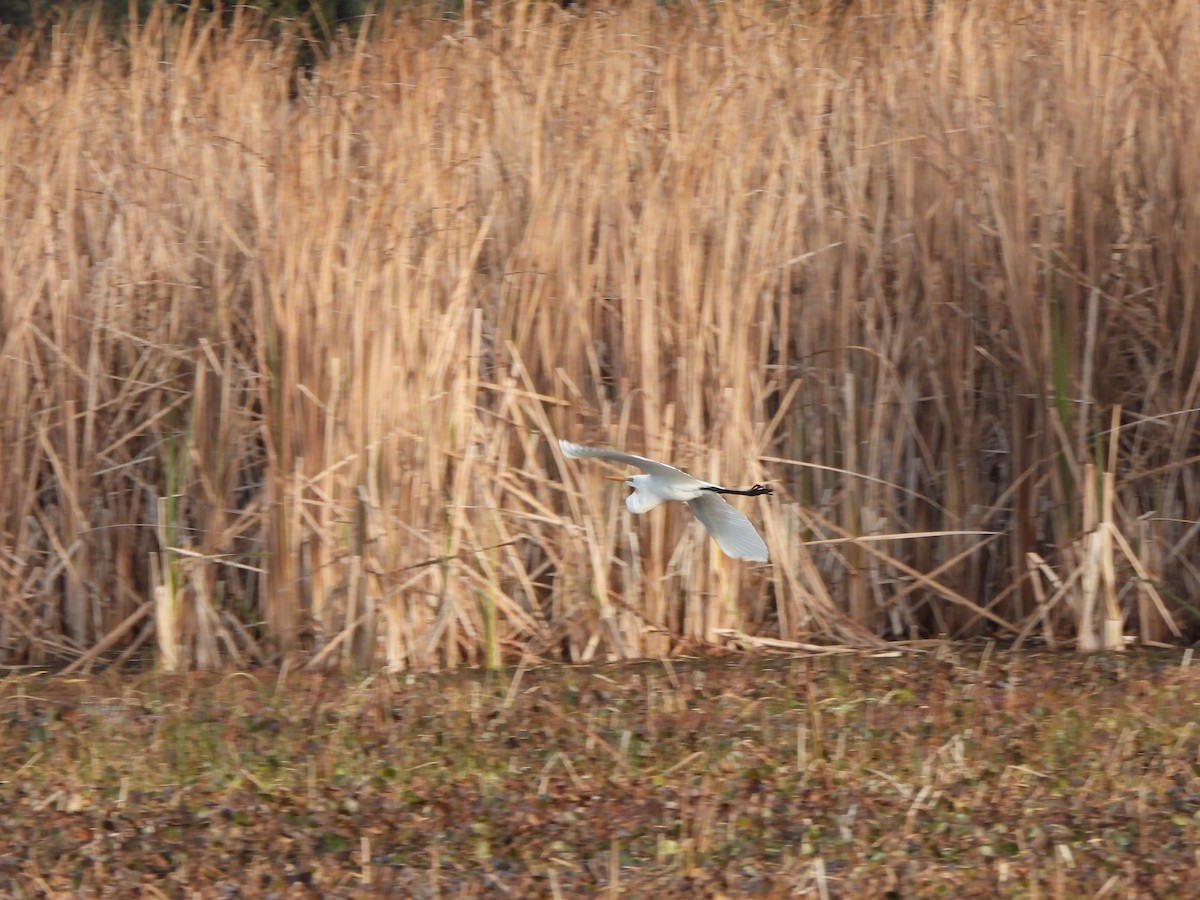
(950, 774)
(284, 356)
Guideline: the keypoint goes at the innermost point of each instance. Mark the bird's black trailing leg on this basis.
(757, 491)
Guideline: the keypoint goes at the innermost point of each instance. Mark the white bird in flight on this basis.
(729, 528)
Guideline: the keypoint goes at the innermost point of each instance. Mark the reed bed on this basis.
(286, 350)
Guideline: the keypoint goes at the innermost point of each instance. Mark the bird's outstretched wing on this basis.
(654, 467)
(729, 528)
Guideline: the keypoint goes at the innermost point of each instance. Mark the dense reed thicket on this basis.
(285, 352)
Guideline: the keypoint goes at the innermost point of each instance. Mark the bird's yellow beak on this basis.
(615, 477)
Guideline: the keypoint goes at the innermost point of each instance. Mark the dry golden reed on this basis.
(286, 351)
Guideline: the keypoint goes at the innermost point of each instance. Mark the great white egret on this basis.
(729, 528)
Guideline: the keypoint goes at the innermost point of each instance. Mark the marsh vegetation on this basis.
(286, 350)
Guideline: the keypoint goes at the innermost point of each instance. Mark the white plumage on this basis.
(729, 528)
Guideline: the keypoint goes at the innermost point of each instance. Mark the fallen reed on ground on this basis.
(286, 350)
